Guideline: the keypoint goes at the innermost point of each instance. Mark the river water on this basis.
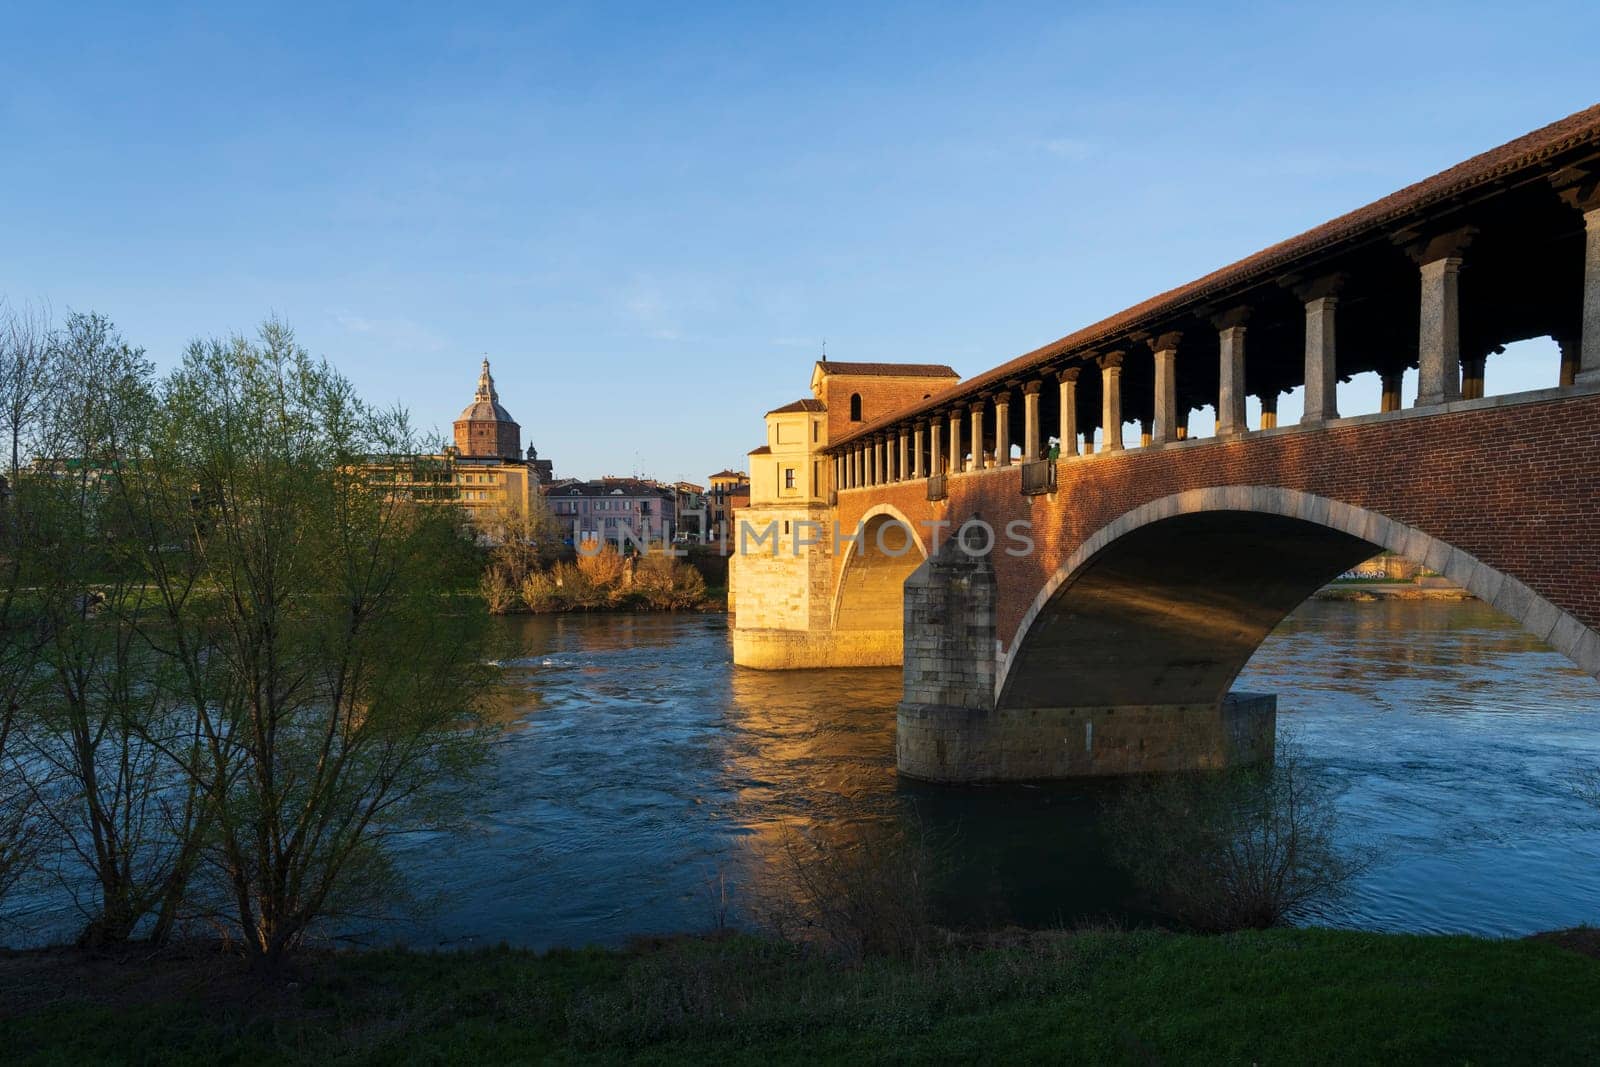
(644, 784)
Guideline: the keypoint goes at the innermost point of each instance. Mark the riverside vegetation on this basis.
(230, 670)
(529, 569)
(516, 579)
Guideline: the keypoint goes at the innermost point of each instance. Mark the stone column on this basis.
(935, 448)
(976, 408)
(1165, 348)
(1472, 376)
(880, 461)
(1322, 372)
(1183, 425)
(1392, 379)
(1269, 409)
(1111, 401)
(956, 465)
(1438, 260)
(900, 467)
(838, 472)
(1002, 429)
(1030, 421)
(1439, 332)
(916, 449)
(1569, 347)
(1231, 419)
(1069, 411)
(1145, 435)
(1588, 371)
(1088, 441)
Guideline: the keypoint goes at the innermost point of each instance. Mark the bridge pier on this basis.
(950, 729)
(941, 743)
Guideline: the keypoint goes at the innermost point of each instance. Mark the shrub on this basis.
(665, 582)
(541, 593)
(1231, 850)
(499, 592)
(605, 571)
(859, 899)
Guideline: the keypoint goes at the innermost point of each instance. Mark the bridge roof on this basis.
(1533, 152)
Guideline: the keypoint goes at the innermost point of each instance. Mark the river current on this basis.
(644, 784)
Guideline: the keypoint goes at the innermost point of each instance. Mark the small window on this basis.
(816, 432)
(788, 477)
(855, 407)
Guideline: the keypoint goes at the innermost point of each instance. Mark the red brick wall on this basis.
(880, 396)
(1517, 486)
(479, 438)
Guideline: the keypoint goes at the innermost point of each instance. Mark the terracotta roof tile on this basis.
(889, 370)
(806, 404)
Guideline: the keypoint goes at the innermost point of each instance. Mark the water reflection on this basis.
(640, 770)
(647, 766)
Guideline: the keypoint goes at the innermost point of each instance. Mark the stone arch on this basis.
(1176, 595)
(870, 594)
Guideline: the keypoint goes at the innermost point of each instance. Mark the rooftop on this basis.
(888, 370)
(806, 404)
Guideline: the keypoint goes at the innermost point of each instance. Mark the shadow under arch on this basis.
(1166, 604)
(872, 578)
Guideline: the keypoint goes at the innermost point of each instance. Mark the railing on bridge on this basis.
(1038, 477)
(936, 487)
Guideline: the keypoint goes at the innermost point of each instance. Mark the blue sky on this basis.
(650, 217)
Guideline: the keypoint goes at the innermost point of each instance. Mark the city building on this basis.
(614, 510)
(730, 490)
(486, 471)
(690, 508)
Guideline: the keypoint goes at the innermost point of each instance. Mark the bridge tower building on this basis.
(783, 573)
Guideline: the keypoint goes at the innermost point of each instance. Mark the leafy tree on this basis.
(308, 613)
(100, 722)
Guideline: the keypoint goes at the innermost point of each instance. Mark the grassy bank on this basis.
(1280, 996)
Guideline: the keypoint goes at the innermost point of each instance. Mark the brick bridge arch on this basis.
(872, 570)
(1165, 605)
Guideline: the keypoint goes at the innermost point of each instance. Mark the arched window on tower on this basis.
(855, 407)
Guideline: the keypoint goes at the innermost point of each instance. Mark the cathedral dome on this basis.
(485, 406)
(485, 428)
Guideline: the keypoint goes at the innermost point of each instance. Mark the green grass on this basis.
(1286, 996)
